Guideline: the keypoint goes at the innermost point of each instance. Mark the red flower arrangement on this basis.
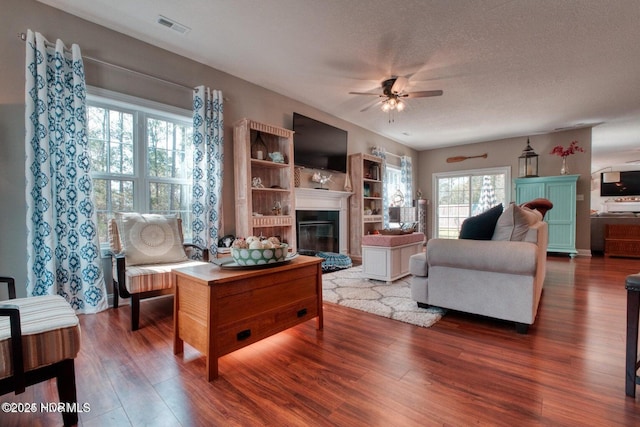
(573, 148)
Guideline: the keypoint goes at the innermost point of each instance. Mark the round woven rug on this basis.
(392, 300)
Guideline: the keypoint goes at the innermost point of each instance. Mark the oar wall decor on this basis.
(463, 158)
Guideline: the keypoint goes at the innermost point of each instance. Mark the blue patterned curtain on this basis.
(406, 172)
(62, 239)
(382, 153)
(208, 140)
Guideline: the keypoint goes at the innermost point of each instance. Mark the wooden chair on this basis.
(141, 268)
(42, 339)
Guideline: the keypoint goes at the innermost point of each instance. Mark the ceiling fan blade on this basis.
(364, 93)
(423, 94)
(399, 84)
(369, 106)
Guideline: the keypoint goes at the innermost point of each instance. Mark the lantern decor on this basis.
(259, 148)
(528, 162)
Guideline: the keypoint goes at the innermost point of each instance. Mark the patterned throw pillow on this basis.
(150, 238)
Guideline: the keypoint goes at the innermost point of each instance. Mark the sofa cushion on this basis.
(480, 227)
(153, 277)
(150, 238)
(514, 223)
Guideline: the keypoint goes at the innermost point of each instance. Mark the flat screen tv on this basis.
(629, 185)
(318, 145)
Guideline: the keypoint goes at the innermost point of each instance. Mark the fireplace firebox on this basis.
(318, 231)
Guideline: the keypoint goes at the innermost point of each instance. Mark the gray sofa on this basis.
(499, 279)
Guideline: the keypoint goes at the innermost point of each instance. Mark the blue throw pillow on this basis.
(481, 227)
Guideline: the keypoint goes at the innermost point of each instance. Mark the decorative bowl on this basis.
(396, 231)
(247, 256)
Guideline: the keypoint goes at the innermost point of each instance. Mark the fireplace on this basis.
(334, 205)
(317, 231)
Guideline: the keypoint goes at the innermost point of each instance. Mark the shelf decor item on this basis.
(276, 157)
(397, 199)
(296, 177)
(559, 150)
(321, 179)
(528, 162)
(258, 148)
(250, 256)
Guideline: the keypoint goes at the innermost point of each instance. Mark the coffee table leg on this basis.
(178, 344)
(212, 368)
(633, 308)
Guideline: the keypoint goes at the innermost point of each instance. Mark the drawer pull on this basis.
(243, 335)
(302, 313)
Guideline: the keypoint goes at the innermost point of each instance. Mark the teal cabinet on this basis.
(561, 191)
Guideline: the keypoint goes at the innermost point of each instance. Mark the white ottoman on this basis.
(386, 257)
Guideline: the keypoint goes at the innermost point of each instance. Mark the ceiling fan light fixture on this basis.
(392, 103)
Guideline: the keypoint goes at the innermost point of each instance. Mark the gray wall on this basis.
(244, 100)
(505, 152)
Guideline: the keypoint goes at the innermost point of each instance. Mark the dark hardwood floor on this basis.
(363, 370)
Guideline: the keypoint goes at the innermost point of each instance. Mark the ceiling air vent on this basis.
(170, 23)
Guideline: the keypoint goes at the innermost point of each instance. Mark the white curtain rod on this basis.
(395, 155)
(23, 37)
(391, 154)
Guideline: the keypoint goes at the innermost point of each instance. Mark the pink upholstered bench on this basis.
(390, 240)
(386, 257)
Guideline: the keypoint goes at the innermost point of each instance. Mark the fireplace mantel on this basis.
(311, 199)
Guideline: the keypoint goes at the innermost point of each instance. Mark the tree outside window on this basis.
(142, 161)
(462, 194)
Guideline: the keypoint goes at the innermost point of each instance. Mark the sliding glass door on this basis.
(461, 194)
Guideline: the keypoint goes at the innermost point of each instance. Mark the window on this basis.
(393, 184)
(462, 194)
(141, 158)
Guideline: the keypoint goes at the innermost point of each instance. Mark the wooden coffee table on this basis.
(218, 310)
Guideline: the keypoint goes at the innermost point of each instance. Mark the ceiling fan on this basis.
(393, 94)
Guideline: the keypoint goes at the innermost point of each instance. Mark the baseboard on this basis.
(584, 252)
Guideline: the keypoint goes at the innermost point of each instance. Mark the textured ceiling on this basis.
(507, 68)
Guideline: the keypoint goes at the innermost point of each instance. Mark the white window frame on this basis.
(506, 170)
(130, 104)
